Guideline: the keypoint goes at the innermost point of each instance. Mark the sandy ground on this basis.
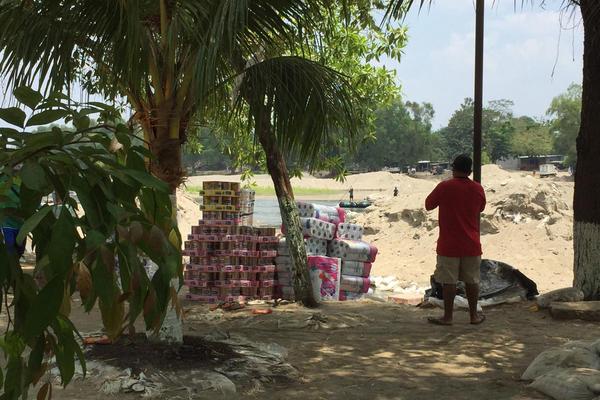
(376, 351)
(527, 222)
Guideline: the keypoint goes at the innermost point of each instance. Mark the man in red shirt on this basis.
(460, 201)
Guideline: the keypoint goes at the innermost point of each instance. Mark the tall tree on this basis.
(402, 137)
(565, 113)
(275, 95)
(586, 204)
(496, 127)
(532, 140)
(586, 231)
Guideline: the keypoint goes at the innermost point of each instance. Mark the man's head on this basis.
(462, 166)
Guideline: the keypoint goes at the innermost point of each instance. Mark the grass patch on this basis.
(270, 191)
(298, 191)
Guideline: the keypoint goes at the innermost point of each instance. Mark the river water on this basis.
(266, 210)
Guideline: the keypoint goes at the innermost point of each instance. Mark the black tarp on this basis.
(498, 279)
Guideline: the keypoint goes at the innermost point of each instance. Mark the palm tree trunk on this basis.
(287, 205)
(586, 230)
(167, 162)
(166, 165)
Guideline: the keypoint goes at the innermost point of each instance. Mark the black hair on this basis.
(463, 163)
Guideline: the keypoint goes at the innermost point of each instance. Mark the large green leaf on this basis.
(35, 359)
(44, 308)
(62, 243)
(32, 222)
(47, 117)
(13, 115)
(147, 180)
(34, 176)
(28, 96)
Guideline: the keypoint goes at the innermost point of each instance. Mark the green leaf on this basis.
(62, 243)
(12, 382)
(34, 176)
(93, 240)
(82, 122)
(11, 133)
(13, 115)
(67, 337)
(47, 117)
(28, 96)
(65, 359)
(32, 222)
(44, 308)
(35, 359)
(147, 180)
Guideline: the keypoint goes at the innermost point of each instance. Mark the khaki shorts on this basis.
(450, 270)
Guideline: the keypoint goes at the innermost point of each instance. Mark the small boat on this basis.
(355, 204)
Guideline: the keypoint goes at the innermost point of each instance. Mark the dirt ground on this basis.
(378, 351)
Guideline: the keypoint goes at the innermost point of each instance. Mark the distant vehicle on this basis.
(437, 170)
(548, 170)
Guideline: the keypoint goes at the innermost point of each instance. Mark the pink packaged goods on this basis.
(356, 268)
(325, 277)
(352, 250)
(355, 284)
(331, 214)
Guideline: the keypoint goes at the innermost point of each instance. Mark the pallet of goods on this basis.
(229, 260)
(338, 259)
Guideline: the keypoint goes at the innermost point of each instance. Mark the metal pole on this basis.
(479, 11)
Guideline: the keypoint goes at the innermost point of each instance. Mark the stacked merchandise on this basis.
(324, 274)
(229, 262)
(339, 261)
(357, 257)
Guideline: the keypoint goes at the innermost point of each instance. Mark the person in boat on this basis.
(351, 193)
(460, 201)
(396, 191)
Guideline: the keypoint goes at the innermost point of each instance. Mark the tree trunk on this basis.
(287, 205)
(167, 163)
(165, 139)
(586, 230)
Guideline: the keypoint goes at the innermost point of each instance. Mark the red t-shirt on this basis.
(460, 201)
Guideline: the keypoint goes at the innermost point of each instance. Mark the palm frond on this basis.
(310, 104)
(397, 9)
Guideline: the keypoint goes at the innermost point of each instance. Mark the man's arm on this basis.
(433, 200)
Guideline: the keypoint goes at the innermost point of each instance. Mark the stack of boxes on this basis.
(229, 260)
(339, 261)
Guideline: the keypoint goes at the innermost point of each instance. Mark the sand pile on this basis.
(527, 223)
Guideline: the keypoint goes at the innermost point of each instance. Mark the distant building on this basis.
(532, 163)
(423, 166)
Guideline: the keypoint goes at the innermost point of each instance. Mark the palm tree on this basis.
(586, 204)
(173, 60)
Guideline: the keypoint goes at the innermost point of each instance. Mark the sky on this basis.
(523, 47)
